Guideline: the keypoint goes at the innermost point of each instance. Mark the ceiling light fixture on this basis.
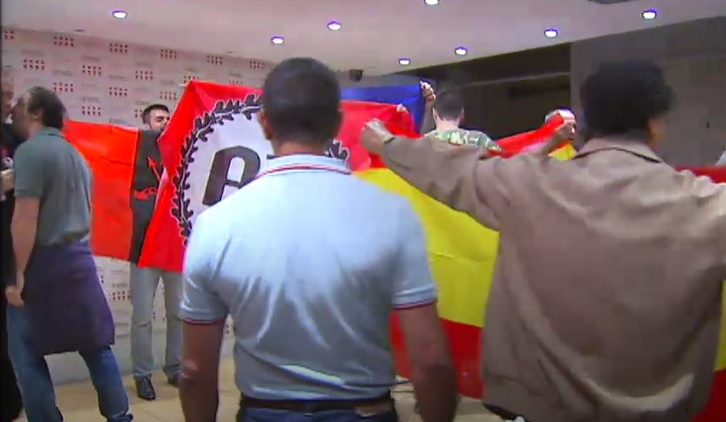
(551, 33)
(335, 26)
(431, 2)
(119, 14)
(461, 51)
(649, 14)
(277, 40)
(404, 62)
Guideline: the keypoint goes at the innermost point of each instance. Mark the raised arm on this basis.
(428, 124)
(456, 175)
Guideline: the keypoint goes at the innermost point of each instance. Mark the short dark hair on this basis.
(147, 111)
(301, 99)
(449, 105)
(51, 108)
(622, 97)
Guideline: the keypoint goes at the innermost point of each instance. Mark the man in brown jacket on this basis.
(606, 299)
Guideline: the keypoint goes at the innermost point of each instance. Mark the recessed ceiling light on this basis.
(119, 14)
(431, 2)
(551, 33)
(461, 51)
(404, 62)
(277, 40)
(649, 14)
(334, 26)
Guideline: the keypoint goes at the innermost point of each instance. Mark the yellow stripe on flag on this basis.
(461, 251)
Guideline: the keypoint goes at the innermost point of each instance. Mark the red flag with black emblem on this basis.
(214, 145)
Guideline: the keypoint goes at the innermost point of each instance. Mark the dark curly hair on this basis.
(623, 97)
(46, 102)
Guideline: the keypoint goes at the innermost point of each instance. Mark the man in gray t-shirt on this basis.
(47, 166)
(56, 303)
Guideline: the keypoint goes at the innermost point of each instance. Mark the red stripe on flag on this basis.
(466, 347)
(465, 341)
(110, 152)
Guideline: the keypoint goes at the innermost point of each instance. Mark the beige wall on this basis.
(110, 82)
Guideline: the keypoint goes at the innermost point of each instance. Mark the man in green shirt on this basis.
(448, 113)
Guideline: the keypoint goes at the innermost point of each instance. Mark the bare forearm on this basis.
(562, 135)
(428, 124)
(435, 388)
(550, 146)
(23, 230)
(199, 398)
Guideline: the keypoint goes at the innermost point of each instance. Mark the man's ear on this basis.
(264, 124)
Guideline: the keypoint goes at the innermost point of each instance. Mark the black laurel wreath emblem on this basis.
(224, 111)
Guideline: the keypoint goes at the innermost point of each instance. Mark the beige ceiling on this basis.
(375, 34)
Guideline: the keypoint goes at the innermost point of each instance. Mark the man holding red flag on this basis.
(606, 300)
(144, 281)
(310, 262)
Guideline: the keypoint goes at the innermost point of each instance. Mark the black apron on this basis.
(64, 300)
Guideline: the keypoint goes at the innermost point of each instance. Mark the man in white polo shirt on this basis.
(310, 262)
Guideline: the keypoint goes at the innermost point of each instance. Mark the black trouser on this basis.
(12, 400)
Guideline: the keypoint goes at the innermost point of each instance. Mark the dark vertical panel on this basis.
(693, 57)
(147, 174)
(506, 108)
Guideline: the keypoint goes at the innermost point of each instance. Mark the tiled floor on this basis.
(78, 402)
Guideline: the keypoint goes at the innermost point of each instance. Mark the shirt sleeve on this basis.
(454, 175)
(31, 165)
(414, 284)
(200, 302)
(485, 141)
